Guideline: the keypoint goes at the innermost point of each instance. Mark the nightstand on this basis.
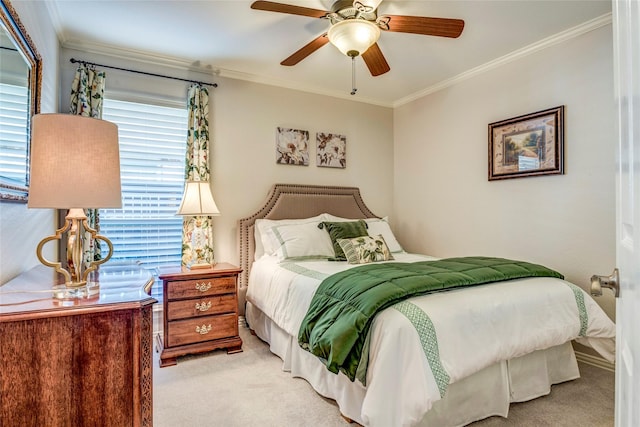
(200, 309)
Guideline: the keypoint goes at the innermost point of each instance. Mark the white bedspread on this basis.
(475, 328)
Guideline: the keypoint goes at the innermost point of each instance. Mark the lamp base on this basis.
(76, 284)
(86, 291)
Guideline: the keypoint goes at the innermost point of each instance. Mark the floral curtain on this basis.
(197, 169)
(87, 94)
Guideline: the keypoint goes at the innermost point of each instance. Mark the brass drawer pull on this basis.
(203, 330)
(204, 306)
(203, 287)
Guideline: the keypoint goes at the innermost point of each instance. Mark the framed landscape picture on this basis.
(528, 145)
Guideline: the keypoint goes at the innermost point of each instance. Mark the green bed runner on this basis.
(336, 326)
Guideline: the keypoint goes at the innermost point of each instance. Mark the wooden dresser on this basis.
(200, 311)
(82, 362)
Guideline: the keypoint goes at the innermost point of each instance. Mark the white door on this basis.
(626, 40)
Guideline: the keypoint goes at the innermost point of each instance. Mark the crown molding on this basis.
(303, 88)
(561, 37)
(209, 70)
(139, 56)
(54, 15)
(181, 64)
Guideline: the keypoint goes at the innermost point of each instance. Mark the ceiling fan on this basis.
(355, 29)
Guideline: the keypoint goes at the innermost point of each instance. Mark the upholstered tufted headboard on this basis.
(292, 201)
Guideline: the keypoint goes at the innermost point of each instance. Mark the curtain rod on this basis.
(78, 61)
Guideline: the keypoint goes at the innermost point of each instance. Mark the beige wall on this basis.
(443, 202)
(423, 163)
(246, 116)
(20, 228)
(243, 121)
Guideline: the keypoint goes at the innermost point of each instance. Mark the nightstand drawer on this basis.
(199, 307)
(201, 329)
(201, 287)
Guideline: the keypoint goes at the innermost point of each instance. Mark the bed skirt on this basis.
(483, 394)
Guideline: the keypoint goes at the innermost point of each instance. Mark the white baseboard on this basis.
(596, 361)
(157, 319)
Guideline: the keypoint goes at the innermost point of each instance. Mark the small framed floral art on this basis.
(292, 146)
(331, 150)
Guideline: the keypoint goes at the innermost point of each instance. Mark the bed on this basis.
(480, 366)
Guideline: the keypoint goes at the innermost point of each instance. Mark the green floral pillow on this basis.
(343, 230)
(365, 249)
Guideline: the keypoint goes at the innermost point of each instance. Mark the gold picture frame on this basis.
(21, 63)
(528, 145)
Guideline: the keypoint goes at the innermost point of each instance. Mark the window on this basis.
(14, 110)
(152, 149)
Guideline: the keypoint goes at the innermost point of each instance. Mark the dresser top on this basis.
(31, 293)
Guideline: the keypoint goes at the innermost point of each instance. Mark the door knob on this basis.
(612, 282)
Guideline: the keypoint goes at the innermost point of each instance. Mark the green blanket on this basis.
(337, 324)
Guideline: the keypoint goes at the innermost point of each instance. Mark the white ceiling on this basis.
(231, 39)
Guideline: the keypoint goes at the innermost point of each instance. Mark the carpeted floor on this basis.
(250, 389)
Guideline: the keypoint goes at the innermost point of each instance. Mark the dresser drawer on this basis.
(198, 307)
(201, 329)
(202, 287)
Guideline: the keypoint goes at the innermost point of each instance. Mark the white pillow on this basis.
(257, 239)
(380, 226)
(333, 218)
(263, 235)
(376, 226)
(301, 241)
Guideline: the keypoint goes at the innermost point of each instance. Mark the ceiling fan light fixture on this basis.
(353, 36)
(367, 5)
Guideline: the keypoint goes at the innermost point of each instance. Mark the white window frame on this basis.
(133, 173)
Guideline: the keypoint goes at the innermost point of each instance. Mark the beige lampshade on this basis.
(197, 200)
(353, 36)
(75, 163)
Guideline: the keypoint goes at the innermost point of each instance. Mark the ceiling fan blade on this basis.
(375, 60)
(306, 50)
(441, 27)
(288, 8)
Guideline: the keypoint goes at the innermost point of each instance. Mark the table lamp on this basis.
(75, 164)
(197, 201)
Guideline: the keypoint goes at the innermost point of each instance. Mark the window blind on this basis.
(14, 111)
(152, 149)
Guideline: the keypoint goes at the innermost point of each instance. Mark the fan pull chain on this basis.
(353, 75)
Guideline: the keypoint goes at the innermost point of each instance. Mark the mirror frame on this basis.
(23, 42)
